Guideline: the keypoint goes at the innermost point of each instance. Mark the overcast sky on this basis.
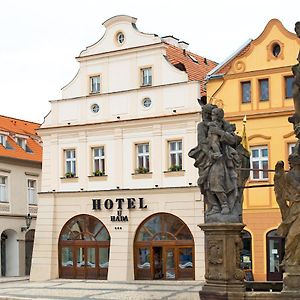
(40, 39)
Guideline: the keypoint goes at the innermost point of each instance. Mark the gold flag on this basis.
(244, 135)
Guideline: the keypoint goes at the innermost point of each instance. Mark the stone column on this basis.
(224, 278)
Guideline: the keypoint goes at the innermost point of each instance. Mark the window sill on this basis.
(141, 175)
(267, 180)
(94, 93)
(97, 178)
(145, 85)
(69, 179)
(174, 173)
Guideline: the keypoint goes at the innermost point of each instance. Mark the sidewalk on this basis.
(64, 289)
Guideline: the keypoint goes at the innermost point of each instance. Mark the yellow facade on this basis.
(267, 121)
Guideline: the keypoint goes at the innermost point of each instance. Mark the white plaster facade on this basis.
(13, 212)
(121, 123)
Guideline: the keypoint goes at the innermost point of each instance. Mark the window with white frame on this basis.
(143, 158)
(175, 150)
(3, 189)
(3, 140)
(31, 192)
(21, 142)
(291, 147)
(98, 161)
(70, 162)
(95, 84)
(146, 74)
(259, 163)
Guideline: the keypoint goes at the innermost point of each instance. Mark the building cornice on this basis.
(121, 51)
(120, 122)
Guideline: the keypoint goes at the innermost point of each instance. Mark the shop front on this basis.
(147, 235)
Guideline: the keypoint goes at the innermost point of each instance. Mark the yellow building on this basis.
(256, 81)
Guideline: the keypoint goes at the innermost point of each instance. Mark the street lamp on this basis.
(28, 219)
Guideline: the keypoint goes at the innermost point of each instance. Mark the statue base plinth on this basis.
(224, 278)
(291, 280)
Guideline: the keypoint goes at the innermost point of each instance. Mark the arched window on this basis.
(164, 249)
(84, 248)
(275, 253)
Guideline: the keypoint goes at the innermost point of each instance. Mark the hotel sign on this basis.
(121, 203)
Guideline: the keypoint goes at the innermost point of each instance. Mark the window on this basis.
(3, 189)
(21, 142)
(120, 38)
(95, 84)
(3, 140)
(259, 162)
(289, 86)
(95, 108)
(147, 102)
(98, 161)
(70, 162)
(175, 148)
(31, 192)
(276, 50)
(246, 92)
(142, 158)
(146, 76)
(264, 89)
(291, 147)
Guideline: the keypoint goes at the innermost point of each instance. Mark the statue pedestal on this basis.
(291, 281)
(224, 278)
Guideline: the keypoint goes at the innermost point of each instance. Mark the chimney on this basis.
(183, 45)
(170, 39)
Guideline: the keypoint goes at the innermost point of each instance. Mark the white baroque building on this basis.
(119, 196)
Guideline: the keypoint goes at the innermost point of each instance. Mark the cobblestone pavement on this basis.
(91, 289)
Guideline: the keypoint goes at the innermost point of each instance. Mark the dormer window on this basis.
(3, 140)
(21, 142)
(95, 84)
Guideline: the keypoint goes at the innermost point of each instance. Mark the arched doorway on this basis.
(29, 239)
(84, 249)
(9, 253)
(275, 254)
(246, 254)
(164, 249)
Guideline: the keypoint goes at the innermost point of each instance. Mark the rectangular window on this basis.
(291, 147)
(3, 189)
(98, 161)
(143, 156)
(3, 140)
(259, 163)
(263, 89)
(70, 162)
(95, 84)
(175, 149)
(246, 92)
(31, 192)
(146, 76)
(289, 86)
(21, 142)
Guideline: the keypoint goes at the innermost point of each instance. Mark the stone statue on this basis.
(218, 157)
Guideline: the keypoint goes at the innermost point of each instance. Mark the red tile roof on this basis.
(195, 70)
(12, 126)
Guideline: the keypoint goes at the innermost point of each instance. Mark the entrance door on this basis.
(3, 254)
(86, 267)
(158, 263)
(170, 264)
(29, 238)
(275, 253)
